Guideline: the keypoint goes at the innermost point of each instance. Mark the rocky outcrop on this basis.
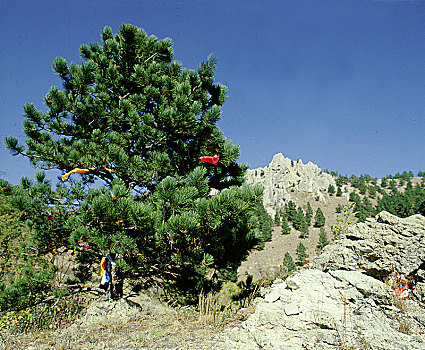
(345, 301)
(379, 247)
(335, 310)
(284, 174)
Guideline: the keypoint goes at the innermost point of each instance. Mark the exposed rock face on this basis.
(318, 310)
(343, 302)
(282, 174)
(378, 247)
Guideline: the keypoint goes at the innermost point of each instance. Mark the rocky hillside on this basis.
(348, 299)
(285, 180)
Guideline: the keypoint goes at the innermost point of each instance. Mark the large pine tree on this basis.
(138, 122)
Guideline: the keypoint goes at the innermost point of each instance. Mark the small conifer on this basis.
(286, 229)
(288, 263)
(302, 256)
(319, 218)
(323, 239)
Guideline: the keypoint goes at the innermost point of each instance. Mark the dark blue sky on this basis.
(339, 83)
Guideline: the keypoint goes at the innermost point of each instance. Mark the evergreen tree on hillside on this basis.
(304, 229)
(339, 192)
(288, 263)
(393, 187)
(308, 214)
(263, 232)
(277, 218)
(339, 180)
(128, 130)
(291, 211)
(299, 220)
(302, 255)
(367, 205)
(402, 204)
(286, 229)
(331, 189)
(323, 239)
(362, 186)
(354, 197)
(300, 223)
(319, 218)
(372, 191)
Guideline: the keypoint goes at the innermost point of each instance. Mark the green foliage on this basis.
(263, 225)
(286, 229)
(277, 218)
(361, 185)
(372, 191)
(367, 178)
(291, 211)
(339, 228)
(331, 189)
(319, 218)
(405, 175)
(298, 219)
(339, 192)
(367, 205)
(393, 186)
(247, 291)
(304, 228)
(341, 180)
(24, 290)
(302, 256)
(288, 263)
(361, 211)
(141, 122)
(24, 273)
(323, 239)
(402, 204)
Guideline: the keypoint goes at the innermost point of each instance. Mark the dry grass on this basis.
(155, 326)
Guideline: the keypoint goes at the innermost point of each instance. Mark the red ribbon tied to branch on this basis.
(212, 160)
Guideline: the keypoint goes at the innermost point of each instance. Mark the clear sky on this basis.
(339, 83)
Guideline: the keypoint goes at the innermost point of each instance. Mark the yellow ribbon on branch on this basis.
(83, 171)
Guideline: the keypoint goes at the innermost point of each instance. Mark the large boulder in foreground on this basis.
(346, 301)
(335, 310)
